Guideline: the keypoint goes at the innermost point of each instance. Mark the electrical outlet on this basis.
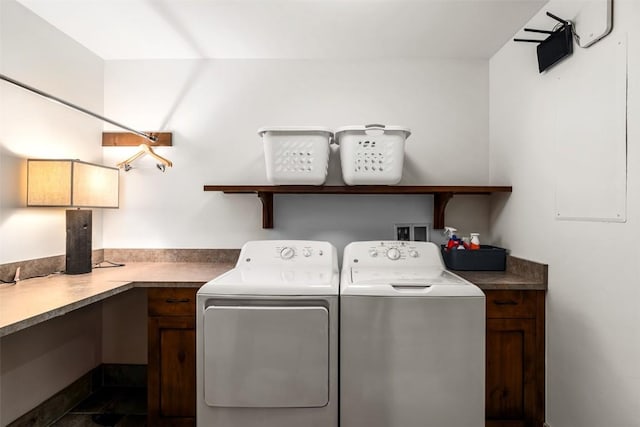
(412, 232)
(402, 232)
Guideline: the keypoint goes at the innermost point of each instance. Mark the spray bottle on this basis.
(453, 240)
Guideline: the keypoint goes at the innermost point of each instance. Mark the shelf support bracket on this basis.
(267, 208)
(440, 201)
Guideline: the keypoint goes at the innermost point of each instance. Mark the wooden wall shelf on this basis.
(441, 194)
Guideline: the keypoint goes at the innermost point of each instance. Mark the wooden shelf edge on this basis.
(441, 194)
(127, 139)
(359, 189)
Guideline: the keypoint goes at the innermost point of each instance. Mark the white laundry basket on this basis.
(372, 154)
(296, 155)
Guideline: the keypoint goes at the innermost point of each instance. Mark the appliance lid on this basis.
(274, 281)
(402, 273)
(427, 282)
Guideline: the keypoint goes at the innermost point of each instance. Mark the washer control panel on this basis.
(392, 253)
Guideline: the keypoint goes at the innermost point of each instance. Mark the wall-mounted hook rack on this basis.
(557, 46)
(123, 139)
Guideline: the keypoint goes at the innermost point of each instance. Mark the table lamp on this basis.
(73, 184)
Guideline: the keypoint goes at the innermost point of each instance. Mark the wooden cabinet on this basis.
(515, 358)
(172, 357)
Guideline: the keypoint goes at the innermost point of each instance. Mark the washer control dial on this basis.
(287, 253)
(373, 253)
(306, 252)
(413, 253)
(393, 254)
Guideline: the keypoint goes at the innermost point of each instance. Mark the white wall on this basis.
(39, 55)
(593, 321)
(214, 108)
(40, 361)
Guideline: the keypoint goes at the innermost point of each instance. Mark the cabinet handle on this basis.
(505, 302)
(177, 300)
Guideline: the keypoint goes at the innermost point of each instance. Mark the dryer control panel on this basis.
(298, 253)
(392, 253)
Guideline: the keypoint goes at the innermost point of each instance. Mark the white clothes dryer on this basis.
(412, 335)
(267, 338)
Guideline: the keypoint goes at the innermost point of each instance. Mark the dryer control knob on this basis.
(287, 253)
(413, 253)
(306, 252)
(393, 254)
(373, 253)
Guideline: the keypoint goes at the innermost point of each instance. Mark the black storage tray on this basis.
(487, 258)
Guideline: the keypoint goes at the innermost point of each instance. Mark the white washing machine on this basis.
(267, 338)
(412, 336)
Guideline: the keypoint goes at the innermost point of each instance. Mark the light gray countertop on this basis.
(36, 300)
(502, 280)
(520, 275)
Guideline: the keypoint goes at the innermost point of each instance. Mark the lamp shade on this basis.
(71, 183)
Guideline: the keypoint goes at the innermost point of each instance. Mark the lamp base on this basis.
(78, 259)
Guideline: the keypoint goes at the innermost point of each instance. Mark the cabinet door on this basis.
(172, 371)
(510, 375)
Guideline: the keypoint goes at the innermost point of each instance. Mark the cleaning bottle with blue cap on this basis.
(453, 241)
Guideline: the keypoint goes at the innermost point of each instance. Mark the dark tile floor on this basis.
(109, 406)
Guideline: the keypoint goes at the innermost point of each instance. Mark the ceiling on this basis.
(154, 29)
